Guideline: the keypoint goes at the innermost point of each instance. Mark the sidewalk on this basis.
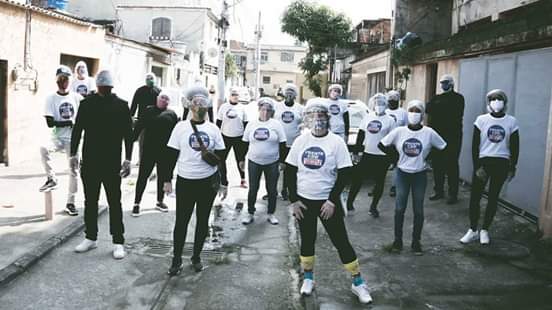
(514, 272)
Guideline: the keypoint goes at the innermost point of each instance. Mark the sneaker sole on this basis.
(71, 213)
(362, 302)
(136, 214)
(42, 190)
(162, 209)
(87, 250)
(276, 223)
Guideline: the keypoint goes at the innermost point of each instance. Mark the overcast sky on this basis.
(244, 15)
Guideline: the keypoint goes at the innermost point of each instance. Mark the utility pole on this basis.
(223, 26)
(258, 35)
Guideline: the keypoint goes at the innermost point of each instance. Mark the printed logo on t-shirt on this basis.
(496, 134)
(288, 117)
(66, 110)
(231, 114)
(314, 157)
(82, 90)
(194, 144)
(261, 134)
(412, 147)
(334, 109)
(374, 127)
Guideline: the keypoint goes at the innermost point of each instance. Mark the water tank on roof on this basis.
(57, 4)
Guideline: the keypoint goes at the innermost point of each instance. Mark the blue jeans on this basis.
(405, 183)
(271, 177)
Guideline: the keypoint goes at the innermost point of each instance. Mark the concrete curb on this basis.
(24, 262)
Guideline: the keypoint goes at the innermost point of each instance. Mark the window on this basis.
(161, 28)
(266, 79)
(289, 81)
(376, 83)
(264, 57)
(286, 57)
(237, 60)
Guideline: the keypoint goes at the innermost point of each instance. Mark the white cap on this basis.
(418, 104)
(150, 75)
(104, 78)
(447, 78)
(234, 90)
(291, 87)
(393, 95)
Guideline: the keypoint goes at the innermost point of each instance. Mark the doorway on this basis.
(4, 112)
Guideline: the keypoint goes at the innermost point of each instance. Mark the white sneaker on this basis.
(307, 287)
(362, 292)
(86, 245)
(118, 251)
(247, 219)
(470, 236)
(484, 237)
(272, 219)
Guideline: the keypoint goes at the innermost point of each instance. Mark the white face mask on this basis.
(496, 105)
(414, 118)
(380, 109)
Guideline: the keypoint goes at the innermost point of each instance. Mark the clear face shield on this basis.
(266, 110)
(317, 120)
(163, 101)
(290, 95)
(199, 106)
(334, 93)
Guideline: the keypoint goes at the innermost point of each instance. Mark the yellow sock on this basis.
(353, 267)
(307, 262)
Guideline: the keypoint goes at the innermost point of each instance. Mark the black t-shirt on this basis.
(446, 112)
(144, 97)
(157, 125)
(106, 122)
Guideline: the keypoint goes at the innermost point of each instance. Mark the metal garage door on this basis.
(527, 78)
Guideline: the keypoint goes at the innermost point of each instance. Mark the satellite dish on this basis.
(212, 52)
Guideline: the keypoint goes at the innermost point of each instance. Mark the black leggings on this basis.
(497, 171)
(239, 154)
(147, 162)
(189, 194)
(374, 167)
(335, 227)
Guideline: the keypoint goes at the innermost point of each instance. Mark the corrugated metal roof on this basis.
(52, 13)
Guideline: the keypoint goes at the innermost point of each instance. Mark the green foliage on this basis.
(230, 67)
(322, 29)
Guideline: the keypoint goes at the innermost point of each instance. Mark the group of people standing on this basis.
(307, 143)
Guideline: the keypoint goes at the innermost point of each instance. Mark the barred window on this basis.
(286, 57)
(161, 28)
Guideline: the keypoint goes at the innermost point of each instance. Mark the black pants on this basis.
(445, 163)
(335, 227)
(147, 162)
(189, 194)
(239, 149)
(371, 166)
(92, 179)
(497, 171)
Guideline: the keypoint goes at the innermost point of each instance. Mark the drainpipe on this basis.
(27, 51)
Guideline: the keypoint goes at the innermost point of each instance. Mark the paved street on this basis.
(255, 267)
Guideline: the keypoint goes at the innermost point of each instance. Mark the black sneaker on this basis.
(176, 267)
(395, 247)
(371, 194)
(197, 266)
(393, 191)
(71, 210)
(417, 248)
(436, 196)
(285, 195)
(50, 184)
(136, 210)
(374, 212)
(162, 207)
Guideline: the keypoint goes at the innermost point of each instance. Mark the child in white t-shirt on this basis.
(412, 145)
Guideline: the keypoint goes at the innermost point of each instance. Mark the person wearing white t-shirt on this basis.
(319, 162)
(232, 120)
(374, 162)
(339, 112)
(83, 84)
(495, 153)
(60, 112)
(197, 89)
(198, 181)
(401, 118)
(265, 140)
(290, 115)
(413, 145)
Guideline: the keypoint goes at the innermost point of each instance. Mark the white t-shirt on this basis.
(317, 161)
(232, 116)
(399, 115)
(190, 165)
(495, 135)
(375, 128)
(264, 139)
(413, 146)
(62, 108)
(337, 108)
(83, 87)
(291, 119)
